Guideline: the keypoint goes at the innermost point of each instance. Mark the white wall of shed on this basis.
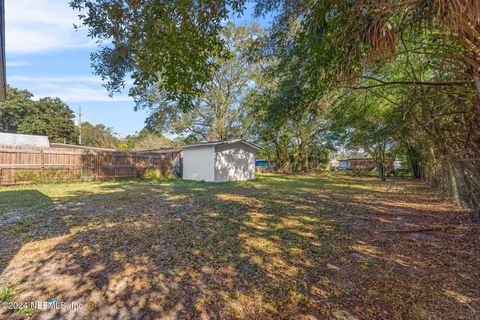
(199, 163)
(235, 162)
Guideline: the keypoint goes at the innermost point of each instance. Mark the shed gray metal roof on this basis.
(14, 139)
(222, 142)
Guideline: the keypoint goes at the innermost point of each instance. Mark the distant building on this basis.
(397, 165)
(343, 165)
(361, 164)
(333, 164)
(23, 140)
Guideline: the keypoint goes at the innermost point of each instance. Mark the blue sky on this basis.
(46, 56)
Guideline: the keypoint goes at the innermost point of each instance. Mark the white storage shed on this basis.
(219, 161)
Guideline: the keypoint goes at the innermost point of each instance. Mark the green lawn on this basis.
(299, 247)
(44, 196)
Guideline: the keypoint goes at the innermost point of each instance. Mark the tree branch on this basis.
(411, 83)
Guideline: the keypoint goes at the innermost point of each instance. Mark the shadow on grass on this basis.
(278, 247)
(22, 199)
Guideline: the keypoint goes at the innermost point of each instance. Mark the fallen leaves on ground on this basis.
(291, 247)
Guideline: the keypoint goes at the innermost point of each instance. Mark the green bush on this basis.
(29, 176)
(47, 176)
(155, 174)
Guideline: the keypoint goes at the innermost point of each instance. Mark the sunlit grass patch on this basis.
(6, 294)
(260, 245)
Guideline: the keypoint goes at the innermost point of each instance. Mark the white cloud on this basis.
(80, 93)
(14, 64)
(67, 88)
(61, 79)
(42, 25)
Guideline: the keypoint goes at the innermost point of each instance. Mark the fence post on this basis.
(83, 160)
(135, 164)
(42, 162)
(97, 165)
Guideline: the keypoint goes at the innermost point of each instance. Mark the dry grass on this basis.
(278, 247)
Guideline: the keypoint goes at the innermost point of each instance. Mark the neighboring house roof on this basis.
(223, 142)
(23, 140)
(349, 159)
(350, 156)
(358, 156)
(76, 146)
(161, 150)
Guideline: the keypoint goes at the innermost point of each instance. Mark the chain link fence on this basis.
(459, 179)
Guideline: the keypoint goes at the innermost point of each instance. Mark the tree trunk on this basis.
(414, 160)
(381, 170)
(476, 79)
(416, 170)
(471, 193)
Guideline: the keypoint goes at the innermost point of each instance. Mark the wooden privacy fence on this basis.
(21, 165)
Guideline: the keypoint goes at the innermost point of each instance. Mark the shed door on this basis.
(234, 165)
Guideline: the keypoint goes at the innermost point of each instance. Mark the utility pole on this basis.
(79, 125)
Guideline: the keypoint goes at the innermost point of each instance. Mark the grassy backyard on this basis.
(303, 247)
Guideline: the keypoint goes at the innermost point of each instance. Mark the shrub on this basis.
(29, 176)
(47, 176)
(155, 174)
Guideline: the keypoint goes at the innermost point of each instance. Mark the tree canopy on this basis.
(218, 112)
(99, 136)
(171, 44)
(47, 116)
(387, 77)
(145, 140)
